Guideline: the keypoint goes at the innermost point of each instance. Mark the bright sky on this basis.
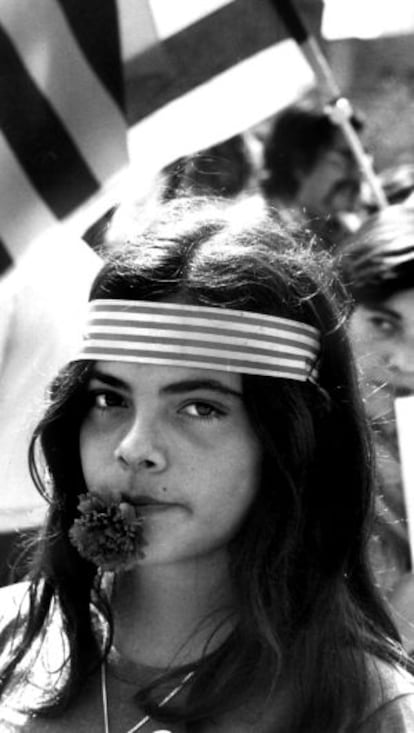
(172, 15)
(367, 18)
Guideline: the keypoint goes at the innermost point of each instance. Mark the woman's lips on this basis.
(149, 506)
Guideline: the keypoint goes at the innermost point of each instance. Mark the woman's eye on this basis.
(104, 400)
(203, 410)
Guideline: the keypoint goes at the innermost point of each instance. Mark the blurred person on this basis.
(377, 265)
(228, 169)
(309, 169)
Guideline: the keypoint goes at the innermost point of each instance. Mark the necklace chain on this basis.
(146, 718)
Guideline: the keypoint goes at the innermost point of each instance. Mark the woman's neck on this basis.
(165, 614)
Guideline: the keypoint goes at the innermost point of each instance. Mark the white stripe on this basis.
(137, 27)
(193, 351)
(172, 16)
(214, 338)
(228, 104)
(53, 59)
(276, 332)
(23, 214)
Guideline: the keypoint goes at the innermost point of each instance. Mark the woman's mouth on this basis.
(147, 504)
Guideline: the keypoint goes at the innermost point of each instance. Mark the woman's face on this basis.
(383, 339)
(176, 441)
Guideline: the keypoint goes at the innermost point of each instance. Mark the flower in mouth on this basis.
(108, 533)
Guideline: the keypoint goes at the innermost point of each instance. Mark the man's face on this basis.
(383, 340)
(333, 184)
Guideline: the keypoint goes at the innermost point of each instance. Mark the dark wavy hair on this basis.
(308, 612)
(377, 261)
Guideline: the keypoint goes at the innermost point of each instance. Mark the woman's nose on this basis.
(142, 447)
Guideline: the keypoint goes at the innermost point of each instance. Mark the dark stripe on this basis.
(95, 26)
(198, 53)
(40, 142)
(5, 259)
(292, 19)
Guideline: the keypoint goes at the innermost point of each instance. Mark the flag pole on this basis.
(339, 107)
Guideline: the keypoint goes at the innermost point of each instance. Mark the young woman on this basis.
(377, 265)
(206, 461)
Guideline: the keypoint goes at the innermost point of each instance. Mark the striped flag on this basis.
(61, 113)
(98, 95)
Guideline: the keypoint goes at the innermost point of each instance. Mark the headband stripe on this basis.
(225, 329)
(201, 362)
(165, 311)
(148, 335)
(194, 336)
(278, 359)
(197, 345)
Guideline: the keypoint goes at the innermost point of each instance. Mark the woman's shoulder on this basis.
(391, 699)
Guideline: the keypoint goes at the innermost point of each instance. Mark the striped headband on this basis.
(147, 332)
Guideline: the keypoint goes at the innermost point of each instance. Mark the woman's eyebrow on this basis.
(108, 379)
(192, 385)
